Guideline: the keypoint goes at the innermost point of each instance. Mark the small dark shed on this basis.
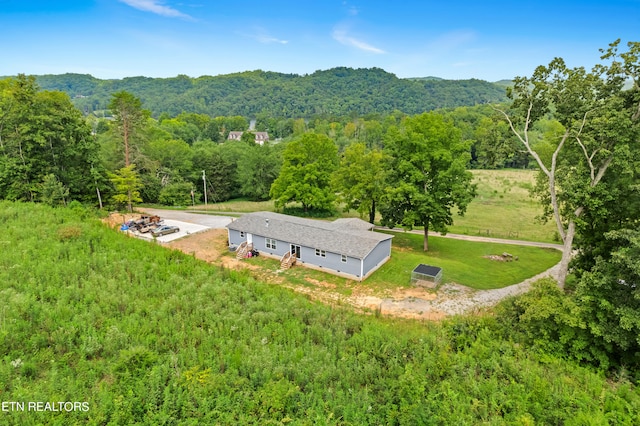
(426, 275)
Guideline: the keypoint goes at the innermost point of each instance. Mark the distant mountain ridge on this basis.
(334, 92)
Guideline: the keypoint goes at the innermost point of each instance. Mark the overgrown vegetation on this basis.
(144, 334)
(153, 336)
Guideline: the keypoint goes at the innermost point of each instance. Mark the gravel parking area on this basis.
(186, 228)
(189, 223)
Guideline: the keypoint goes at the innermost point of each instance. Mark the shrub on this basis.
(176, 194)
(552, 322)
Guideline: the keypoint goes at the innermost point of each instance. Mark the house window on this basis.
(321, 253)
(343, 258)
(270, 243)
(241, 234)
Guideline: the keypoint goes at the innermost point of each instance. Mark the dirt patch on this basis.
(114, 220)
(415, 292)
(209, 245)
(504, 257)
(319, 283)
(212, 247)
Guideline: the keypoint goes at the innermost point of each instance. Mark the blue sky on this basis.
(163, 38)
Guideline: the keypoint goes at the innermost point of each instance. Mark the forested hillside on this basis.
(335, 92)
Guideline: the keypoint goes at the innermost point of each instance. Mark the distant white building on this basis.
(260, 137)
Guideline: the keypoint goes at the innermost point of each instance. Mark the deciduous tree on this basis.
(258, 167)
(41, 134)
(305, 176)
(360, 179)
(599, 120)
(427, 174)
(609, 296)
(220, 169)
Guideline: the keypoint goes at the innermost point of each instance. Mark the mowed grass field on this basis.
(463, 262)
(504, 208)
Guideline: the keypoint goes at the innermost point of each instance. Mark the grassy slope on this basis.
(149, 335)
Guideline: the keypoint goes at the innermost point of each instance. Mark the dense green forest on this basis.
(171, 153)
(145, 335)
(335, 92)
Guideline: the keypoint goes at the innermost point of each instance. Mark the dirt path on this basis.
(450, 299)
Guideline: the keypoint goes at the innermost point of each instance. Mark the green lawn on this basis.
(238, 205)
(463, 262)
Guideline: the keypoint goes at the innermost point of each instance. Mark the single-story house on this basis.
(345, 247)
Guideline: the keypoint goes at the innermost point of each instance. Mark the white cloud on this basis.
(342, 37)
(266, 39)
(351, 9)
(262, 36)
(155, 6)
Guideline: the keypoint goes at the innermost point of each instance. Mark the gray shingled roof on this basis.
(342, 236)
(353, 223)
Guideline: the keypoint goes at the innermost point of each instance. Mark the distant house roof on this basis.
(260, 137)
(235, 136)
(344, 236)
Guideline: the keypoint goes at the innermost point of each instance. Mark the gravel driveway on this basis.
(209, 221)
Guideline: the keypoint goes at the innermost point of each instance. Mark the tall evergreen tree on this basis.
(129, 120)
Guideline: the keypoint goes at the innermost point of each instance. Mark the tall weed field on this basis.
(135, 333)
